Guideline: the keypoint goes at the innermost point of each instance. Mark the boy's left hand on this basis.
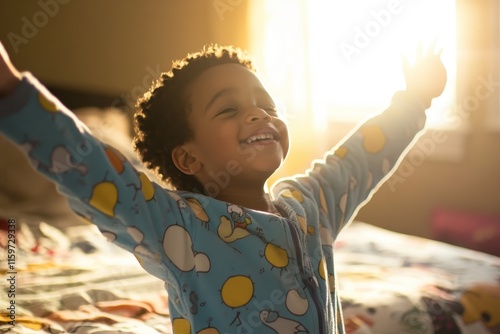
(427, 78)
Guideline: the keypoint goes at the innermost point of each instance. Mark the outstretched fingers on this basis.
(420, 55)
(431, 51)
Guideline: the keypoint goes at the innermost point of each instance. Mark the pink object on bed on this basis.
(475, 231)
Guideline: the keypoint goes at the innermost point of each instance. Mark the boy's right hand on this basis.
(9, 76)
(426, 78)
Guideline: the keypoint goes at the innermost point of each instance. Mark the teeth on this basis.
(260, 137)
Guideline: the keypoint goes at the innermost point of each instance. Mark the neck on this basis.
(252, 198)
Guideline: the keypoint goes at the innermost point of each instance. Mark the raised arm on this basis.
(348, 175)
(100, 183)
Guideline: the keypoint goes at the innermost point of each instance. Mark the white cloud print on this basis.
(178, 247)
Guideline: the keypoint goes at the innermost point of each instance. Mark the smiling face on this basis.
(237, 131)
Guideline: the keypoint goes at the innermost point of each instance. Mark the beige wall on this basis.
(109, 45)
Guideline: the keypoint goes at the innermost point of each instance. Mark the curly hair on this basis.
(161, 121)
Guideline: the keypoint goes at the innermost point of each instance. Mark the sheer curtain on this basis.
(340, 61)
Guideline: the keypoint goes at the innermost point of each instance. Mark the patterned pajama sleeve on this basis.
(101, 185)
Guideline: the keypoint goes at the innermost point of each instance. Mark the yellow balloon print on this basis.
(293, 193)
(115, 160)
(104, 197)
(322, 268)
(148, 190)
(276, 256)
(181, 326)
(374, 138)
(302, 223)
(46, 103)
(237, 291)
(341, 152)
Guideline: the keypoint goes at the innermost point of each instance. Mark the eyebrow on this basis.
(225, 91)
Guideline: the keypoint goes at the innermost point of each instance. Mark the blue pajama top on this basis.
(227, 269)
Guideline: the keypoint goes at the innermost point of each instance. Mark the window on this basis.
(341, 60)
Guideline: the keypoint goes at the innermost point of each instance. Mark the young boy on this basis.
(234, 258)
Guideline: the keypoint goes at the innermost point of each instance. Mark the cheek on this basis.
(222, 136)
(218, 139)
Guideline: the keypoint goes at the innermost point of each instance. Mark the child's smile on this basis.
(264, 136)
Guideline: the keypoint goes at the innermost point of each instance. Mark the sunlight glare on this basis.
(343, 59)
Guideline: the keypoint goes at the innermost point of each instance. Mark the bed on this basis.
(77, 282)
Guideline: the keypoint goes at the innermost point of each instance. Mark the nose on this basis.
(256, 114)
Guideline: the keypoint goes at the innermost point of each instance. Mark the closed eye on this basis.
(227, 110)
(271, 111)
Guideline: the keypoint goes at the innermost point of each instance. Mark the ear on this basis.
(185, 161)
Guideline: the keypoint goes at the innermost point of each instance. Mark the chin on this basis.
(269, 167)
(264, 164)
